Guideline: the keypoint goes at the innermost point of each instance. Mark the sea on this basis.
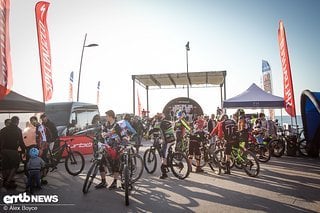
(286, 120)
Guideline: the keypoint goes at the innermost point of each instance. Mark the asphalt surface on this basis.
(286, 184)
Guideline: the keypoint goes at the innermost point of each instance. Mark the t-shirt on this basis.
(229, 128)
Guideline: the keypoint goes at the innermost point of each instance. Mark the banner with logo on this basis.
(98, 92)
(71, 87)
(5, 59)
(267, 82)
(44, 49)
(287, 78)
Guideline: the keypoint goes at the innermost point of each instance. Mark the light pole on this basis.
(187, 50)
(84, 45)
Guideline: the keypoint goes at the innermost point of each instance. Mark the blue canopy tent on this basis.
(254, 97)
(310, 112)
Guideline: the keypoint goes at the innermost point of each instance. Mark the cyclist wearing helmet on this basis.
(167, 132)
(181, 127)
(34, 166)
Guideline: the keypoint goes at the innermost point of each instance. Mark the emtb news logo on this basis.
(24, 198)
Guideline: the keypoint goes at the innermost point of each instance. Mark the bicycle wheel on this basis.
(126, 184)
(74, 163)
(135, 167)
(250, 164)
(214, 164)
(263, 154)
(90, 176)
(150, 160)
(179, 165)
(202, 160)
(277, 147)
(303, 147)
(220, 157)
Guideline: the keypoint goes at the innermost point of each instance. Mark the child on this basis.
(34, 165)
(258, 132)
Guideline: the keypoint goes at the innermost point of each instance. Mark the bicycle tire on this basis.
(249, 162)
(176, 161)
(150, 158)
(90, 176)
(135, 167)
(214, 164)
(220, 157)
(202, 160)
(277, 147)
(126, 184)
(264, 154)
(72, 158)
(303, 147)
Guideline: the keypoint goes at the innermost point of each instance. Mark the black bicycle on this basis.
(176, 161)
(208, 156)
(74, 161)
(131, 167)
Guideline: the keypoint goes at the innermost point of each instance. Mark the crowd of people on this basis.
(31, 145)
(42, 136)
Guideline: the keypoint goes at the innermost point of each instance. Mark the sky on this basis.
(149, 36)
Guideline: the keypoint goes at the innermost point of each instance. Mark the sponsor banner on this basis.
(44, 49)
(71, 87)
(5, 59)
(287, 78)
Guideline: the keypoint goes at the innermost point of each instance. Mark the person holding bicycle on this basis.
(112, 132)
(181, 127)
(227, 129)
(167, 132)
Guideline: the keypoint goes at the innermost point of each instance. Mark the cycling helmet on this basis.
(179, 114)
(34, 152)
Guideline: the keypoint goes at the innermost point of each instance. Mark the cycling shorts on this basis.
(194, 147)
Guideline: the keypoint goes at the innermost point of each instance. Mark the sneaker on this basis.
(163, 176)
(101, 185)
(227, 172)
(199, 170)
(113, 185)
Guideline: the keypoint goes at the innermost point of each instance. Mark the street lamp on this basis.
(187, 50)
(84, 45)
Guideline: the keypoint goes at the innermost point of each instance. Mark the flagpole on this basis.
(187, 50)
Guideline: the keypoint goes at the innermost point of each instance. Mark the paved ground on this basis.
(287, 184)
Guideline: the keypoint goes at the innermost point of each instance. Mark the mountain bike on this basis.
(207, 156)
(241, 158)
(131, 166)
(176, 161)
(74, 161)
(150, 157)
(261, 150)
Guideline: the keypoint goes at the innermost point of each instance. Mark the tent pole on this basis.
(281, 118)
(134, 94)
(147, 88)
